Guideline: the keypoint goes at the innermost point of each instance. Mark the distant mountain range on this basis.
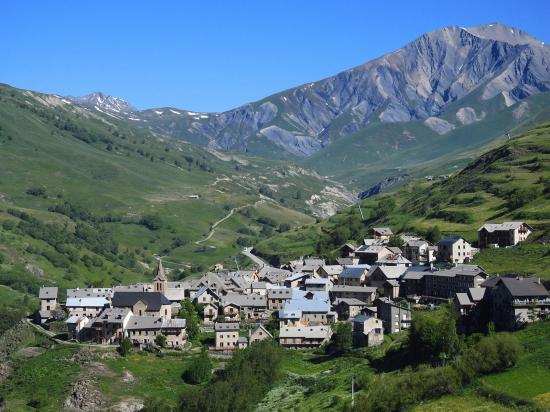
(444, 81)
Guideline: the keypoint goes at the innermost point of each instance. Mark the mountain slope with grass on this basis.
(87, 199)
(511, 182)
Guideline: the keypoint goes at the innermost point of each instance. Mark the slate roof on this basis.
(505, 226)
(524, 287)
(86, 302)
(306, 305)
(334, 269)
(279, 293)
(160, 273)
(290, 313)
(389, 272)
(317, 281)
(477, 293)
(393, 259)
(75, 319)
(349, 302)
(346, 288)
(296, 276)
(153, 300)
(111, 315)
(344, 261)
(154, 323)
(308, 332)
(462, 270)
(252, 300)
(449, 240)
(463, 299)
(314, 262)
(353, 271)
(89, 292)
(384, 231)
(226, 327)
(48, 293)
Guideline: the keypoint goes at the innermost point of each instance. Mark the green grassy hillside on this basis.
(88, 199)
(510, 182)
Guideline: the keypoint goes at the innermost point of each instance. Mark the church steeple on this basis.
(160, 281)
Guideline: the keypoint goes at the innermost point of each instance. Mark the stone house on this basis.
(419, 252)
(144, 303)
(353, 275)
(210, 312)
(447, 283)
(311, 336)
(258, 334)
(296, 280)
(48, 302)
(227, 336)
(277, 297)
(383, 233)
(109, 326)
(378, 275)
(86, 306)
(348, 307)
(365, 294)
(454, 250)
(75, 325)
(206, 295)
(143, 330)
(370, 254)
(516, 301)
(503, 234)
(367, 331)
(318, 284)
(395, 317)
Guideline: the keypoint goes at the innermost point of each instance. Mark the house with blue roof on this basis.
(353, 275)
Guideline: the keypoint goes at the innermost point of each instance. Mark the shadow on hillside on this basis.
(393, 360)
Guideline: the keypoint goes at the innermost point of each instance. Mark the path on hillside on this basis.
(247, 251)
(223, 219)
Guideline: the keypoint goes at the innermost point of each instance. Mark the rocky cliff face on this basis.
(418, 81)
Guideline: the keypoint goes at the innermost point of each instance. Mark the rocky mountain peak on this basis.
(101, 101)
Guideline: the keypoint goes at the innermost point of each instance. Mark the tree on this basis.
(341, 340)
(199, 370)
(151, 222)
(433, 339)
(189, 313)
(160, 340)
(125, 347)
(433, 234)
(284, 227)
(396, 241)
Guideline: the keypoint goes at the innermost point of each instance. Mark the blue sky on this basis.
(216, 55)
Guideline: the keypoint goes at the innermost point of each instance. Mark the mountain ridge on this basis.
(415, 82)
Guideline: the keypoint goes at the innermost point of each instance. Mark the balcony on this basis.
(531, 302)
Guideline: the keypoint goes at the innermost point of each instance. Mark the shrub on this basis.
(151, 222)
(125, 347)
(36, 191)
(199, 370)
(160, 340)
(341, 341)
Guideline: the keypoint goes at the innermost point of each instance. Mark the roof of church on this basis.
(159, 273)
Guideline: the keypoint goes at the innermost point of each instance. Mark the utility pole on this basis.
(352, 389)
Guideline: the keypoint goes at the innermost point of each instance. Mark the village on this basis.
(374, 286)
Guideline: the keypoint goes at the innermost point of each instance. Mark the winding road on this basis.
(213, 229)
